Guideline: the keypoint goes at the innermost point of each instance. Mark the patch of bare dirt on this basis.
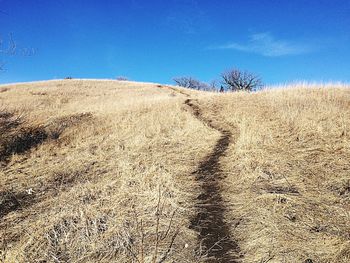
(214, 234)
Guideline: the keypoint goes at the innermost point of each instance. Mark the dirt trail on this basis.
(214, 238)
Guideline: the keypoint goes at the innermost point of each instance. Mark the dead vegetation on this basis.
(19, 136)
(288, 172)
(108, 184)
(106, 171)
(16, 136)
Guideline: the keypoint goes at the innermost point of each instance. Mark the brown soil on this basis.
(214, 236)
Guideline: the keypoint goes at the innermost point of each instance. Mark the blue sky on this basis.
(154, 41)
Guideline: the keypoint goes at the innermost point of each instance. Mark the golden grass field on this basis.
(111, 171)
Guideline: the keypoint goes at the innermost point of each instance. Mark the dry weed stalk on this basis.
(141, 251)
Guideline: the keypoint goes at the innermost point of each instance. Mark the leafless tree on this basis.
(235, 80)
(6, 50)
(10, 48)
(214, 85)
(122, 78)
(191, 83)
(186, 82)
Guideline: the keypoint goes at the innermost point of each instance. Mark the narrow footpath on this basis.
(214, 240)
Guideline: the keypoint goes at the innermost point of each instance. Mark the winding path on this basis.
(214, 238)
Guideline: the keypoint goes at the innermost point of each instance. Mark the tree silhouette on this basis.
(236, 80)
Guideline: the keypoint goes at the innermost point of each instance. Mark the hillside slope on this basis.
(287, 181)
(101, 171)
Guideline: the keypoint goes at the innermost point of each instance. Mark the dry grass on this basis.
(91, 193)
(109, 180)
(288, 172)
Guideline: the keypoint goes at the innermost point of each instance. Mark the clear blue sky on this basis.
(154, 41)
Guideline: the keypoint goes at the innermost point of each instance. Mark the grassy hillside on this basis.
(115, 171)
(288, 172)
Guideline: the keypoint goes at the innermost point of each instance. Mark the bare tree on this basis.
(122, 78)
(186, 82)
(191, 83)
(235, 80)
(10, 49)
(2, 52)
(214, 85)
